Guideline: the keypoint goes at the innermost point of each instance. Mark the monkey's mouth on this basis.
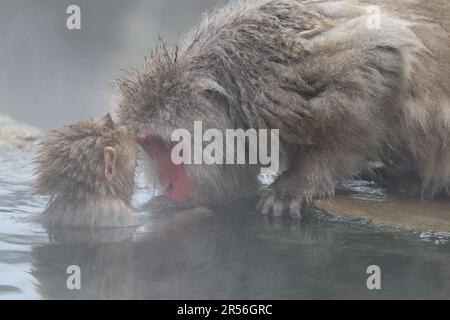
(173, 177)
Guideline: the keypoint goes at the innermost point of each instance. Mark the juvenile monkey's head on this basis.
(169, 93)
(88, 157)
(85, 162)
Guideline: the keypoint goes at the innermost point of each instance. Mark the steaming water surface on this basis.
(200, 254)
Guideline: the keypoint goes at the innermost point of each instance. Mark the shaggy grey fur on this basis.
(70, 169)
(341, 93)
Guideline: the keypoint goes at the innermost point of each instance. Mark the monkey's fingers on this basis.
(288, 206)
(265, 201)
(272, 204)
(295, 208)
(260, 204)
(279, 208)
(268, 204)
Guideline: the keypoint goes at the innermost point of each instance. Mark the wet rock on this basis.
(365, 202)
(14, 134)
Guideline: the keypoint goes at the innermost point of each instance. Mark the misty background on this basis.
(51, 76)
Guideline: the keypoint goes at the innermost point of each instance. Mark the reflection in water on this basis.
(202, 254)
(106, 270)
(193, 254)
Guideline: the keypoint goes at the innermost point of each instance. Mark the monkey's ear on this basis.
(109, 122)
(110, 163)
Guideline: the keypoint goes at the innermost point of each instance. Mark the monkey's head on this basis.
(167, 94)
(88, 158)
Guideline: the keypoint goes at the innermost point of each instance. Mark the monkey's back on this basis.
(434, 11)
(262, 46)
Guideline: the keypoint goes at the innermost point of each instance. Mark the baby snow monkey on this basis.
(88, 169)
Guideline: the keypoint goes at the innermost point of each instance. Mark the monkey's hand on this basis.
(305, 180)
(283, 197)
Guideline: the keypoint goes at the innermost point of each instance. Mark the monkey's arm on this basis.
(350, 112)
(314, 172)
(345, 141)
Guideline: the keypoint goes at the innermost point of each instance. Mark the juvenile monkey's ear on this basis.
(110, 163)
(109, 122)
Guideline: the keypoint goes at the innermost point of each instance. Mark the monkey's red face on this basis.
(173, 177)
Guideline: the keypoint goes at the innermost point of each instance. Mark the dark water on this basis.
(201, 254)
